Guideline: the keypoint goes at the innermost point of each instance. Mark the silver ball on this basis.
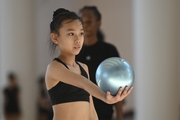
(113, 73)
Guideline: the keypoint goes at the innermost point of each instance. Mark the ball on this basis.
(113, 73)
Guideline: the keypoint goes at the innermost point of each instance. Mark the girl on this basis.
(67, 80)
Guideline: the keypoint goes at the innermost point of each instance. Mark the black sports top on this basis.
(62, 92)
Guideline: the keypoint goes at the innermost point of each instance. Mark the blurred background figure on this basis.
(94, 51)
(12, 99)
(44, 103)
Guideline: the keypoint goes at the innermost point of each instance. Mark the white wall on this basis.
(17, 51)
(156, 59)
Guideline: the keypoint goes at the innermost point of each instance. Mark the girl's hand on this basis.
(119, 96)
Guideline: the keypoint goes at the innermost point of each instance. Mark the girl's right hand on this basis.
(119, 96)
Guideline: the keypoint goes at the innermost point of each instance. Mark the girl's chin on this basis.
(76, 53)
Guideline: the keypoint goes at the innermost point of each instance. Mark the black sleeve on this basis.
(112, 51)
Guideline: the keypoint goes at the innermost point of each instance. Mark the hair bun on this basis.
(60, 11)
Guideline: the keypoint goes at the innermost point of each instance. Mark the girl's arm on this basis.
(56, 71)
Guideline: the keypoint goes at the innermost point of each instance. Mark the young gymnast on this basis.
(67, 80)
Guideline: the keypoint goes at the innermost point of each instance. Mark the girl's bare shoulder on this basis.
(54, 69)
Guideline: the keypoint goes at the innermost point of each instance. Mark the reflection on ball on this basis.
(113, 73)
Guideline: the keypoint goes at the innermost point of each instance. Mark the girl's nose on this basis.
(77, 40)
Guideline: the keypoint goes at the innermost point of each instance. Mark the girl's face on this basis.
(90, 22)
(13, 82)
(70, 38)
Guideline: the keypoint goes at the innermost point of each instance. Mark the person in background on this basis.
(12, 99)
(94, 51)
(44, 103)
(67, 80)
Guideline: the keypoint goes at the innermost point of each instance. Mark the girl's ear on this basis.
(54, 38)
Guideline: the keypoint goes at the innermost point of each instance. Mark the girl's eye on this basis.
(71, 34)
(81, 34)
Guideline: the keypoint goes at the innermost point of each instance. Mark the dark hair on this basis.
(11, 76)
(59, 16)
(96, 12)
(94, 9)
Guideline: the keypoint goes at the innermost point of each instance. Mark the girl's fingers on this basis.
(125, 90)
(108, 93)
(120, 91)
(129, 91)
(119, 96)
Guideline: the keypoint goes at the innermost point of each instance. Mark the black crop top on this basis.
(62, 92)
